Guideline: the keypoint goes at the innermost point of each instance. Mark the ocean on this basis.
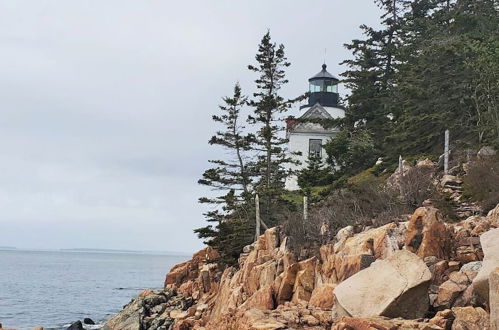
(55, 288)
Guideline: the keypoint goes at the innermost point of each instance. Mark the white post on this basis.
(400, 165)
(446, 153)
(257, 217)
(305, 208)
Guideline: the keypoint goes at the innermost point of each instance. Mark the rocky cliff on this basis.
(419, 274)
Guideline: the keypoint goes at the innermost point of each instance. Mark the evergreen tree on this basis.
(315, 174)
(435, 78)
(371, 73)
(233, 209)
(351, 151)
(267, 105)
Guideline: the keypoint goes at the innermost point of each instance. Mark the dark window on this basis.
(314, 148)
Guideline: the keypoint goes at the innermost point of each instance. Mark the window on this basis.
(316, 86)
(323, 86)
(314, 148)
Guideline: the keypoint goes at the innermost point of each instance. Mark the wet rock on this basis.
(149, 310)
(75, 326)
(88, 320)
(394, 287)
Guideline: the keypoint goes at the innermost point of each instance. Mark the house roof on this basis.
(316, 111)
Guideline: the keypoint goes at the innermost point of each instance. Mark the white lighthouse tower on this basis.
(308, 137)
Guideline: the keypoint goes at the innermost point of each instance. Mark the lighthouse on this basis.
(306, 136)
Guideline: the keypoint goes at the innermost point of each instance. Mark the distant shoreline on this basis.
(112, 251)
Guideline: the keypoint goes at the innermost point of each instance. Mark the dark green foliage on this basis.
(351, 151)
(267, 106)
(371, 73)
(228, 238)
(432, 66)
(438, 78)
(485, 88)
(255, 161)
(315, 174)
(233, 210)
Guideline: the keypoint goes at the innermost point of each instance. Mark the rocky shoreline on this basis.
(419, 274)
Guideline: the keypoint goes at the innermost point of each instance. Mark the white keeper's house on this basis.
(307, 138)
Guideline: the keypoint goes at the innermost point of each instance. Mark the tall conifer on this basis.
(232, 210)
(268, 104)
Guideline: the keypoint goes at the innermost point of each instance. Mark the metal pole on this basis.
(446, 153)
(257, 217)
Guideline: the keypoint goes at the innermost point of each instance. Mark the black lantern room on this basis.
(323, 89)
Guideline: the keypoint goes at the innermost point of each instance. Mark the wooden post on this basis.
(446, 153)
(305, 208)
(257, 217)
(401, 173)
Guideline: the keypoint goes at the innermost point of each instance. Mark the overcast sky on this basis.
(105, 108)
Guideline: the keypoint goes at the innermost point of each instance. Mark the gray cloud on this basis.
(105, 108)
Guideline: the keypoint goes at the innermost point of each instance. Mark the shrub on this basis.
(368, 203)
(417, 185)
(481, 184)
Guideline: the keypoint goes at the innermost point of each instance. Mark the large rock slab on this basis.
(490, 246)
(354, 252)
(381, 323)
(427, 234)
(494, 299)
(394, 287)
(493, 216)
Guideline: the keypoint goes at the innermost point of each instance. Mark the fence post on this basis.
(257, 217)
(446, 153)
(305, 208)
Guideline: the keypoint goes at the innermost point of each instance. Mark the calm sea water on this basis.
(53, 289)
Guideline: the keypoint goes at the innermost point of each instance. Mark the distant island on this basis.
(8, 248)
(170, 253)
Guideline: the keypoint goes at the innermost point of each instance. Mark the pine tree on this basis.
(267, 105)
(371, 73)
(315, 174)
(351, 151)
(232, 210)
(437, 72)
